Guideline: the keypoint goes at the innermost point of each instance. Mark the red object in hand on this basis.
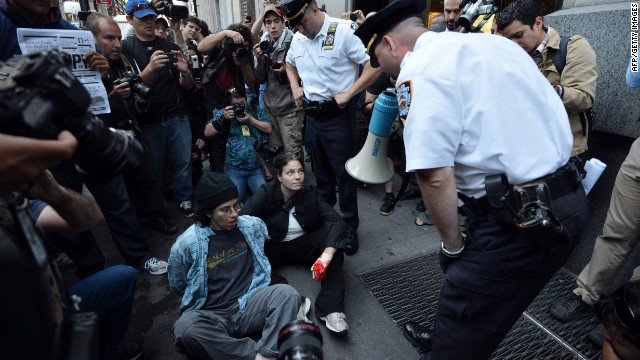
(319, 268)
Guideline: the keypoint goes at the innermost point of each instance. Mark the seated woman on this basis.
(303, 229)
(242, 164)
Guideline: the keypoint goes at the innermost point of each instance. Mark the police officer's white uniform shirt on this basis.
(325, 73)
(478, 103)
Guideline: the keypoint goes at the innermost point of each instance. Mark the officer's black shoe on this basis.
(352, 243)
(163, 226)
(569, 308)
(387, 205)
(417, 334)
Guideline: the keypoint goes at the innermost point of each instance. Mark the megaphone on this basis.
(370, 165)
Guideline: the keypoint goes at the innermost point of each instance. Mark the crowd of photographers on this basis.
(234, 96)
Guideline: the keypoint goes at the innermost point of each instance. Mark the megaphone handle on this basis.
(403, 187)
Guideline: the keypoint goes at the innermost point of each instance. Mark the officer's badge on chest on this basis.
(403, 94)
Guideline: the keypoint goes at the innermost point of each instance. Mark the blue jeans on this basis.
(172, 134)
(109, 293)
(242, 178)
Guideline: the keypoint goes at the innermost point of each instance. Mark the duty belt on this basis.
(561, 182)
(323, 108)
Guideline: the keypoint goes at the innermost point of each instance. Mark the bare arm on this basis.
(68, 211)
(294, 80)
(177, 33)
(438, 189)
(208, 44)
(368, 77)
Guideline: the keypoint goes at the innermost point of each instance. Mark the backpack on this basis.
(559, 58)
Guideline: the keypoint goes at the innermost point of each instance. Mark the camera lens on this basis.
(265, 46)
(141, 89)
(242, 54)
(300, 340)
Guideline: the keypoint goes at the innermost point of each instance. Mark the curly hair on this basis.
(525, 11)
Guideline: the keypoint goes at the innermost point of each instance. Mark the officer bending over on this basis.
(457, 138)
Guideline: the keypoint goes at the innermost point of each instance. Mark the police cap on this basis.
(293, 10)
(377, 25)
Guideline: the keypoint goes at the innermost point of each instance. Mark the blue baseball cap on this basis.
(139, 8)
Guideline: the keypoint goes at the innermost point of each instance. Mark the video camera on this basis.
(40, 97)
(175, 11)
(473, 9)
(242, 54)
(135, 83)
(300, 340)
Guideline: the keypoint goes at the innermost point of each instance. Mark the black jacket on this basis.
(311, 212)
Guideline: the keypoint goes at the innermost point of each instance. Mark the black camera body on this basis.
(239, 110)
(40, 97)
(135, 83)
(262, 145)
(175, 11)
(266, 46)
(242, 54)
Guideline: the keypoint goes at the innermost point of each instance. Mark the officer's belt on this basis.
(323, 108)
(561, 182)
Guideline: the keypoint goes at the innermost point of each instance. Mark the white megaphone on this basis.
(370, 165)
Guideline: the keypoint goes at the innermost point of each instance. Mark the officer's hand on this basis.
(121, 90)
(445, 261)
(158, 60)
(360, 17)
(346, 16)
(342, 99)
(298, 95)
(228, 113)
(97, 61)
(236, 36)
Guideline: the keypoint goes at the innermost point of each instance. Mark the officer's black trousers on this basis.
(331, 140)
(305, 250)
(500, 273)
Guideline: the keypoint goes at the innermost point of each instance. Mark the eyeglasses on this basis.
(230, 209)
(138, 7)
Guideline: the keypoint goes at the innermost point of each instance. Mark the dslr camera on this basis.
(241, 53)
(300, 340)
(135, 83)
(239, 110)
(266, 46)
(262, 145)
(40, 97)
(175, 11)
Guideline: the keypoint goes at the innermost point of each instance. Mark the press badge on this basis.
(331, 35)
(245, 130)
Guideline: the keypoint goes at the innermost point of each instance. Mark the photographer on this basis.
(271, 52)
(246, 136)
(223, 70)
(107, 36)
(164, 125)
(37, 333)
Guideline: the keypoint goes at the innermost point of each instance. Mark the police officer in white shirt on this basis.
(325, 55)
(514, 132)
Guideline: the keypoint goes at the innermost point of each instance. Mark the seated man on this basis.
(619, 313)
(219, 267)
(304, 230)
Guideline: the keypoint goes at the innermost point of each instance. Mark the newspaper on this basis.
(75, 43)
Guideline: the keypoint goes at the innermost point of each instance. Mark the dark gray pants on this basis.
(221, 334)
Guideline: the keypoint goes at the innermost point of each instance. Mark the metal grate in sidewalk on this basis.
(408, 291)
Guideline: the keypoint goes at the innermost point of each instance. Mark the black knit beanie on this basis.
(214, 189)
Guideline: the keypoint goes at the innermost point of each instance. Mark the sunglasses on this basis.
(138, 7)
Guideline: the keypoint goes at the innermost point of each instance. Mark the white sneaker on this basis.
(187, 208)
(304, 310)
(155, 266)
(336, 322)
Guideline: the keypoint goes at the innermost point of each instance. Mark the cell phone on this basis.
(353, 17)
(194, 61)
(249, 18)
(172, 57)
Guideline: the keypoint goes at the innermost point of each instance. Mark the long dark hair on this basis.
(201, 218)
(283, 159)
(610, 309)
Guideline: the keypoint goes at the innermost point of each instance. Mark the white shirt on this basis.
(295, 230)
(478, 103)
(325, 73)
